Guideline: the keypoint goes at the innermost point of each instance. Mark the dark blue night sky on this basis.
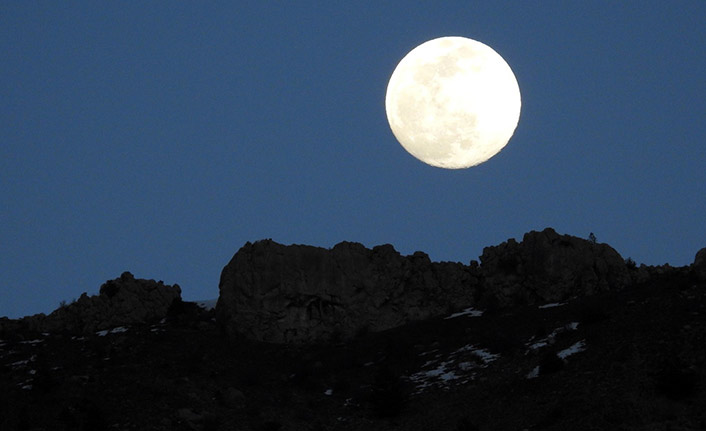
(159, 137)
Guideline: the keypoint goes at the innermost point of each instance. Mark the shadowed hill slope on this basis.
(633, 360)
(629, 358)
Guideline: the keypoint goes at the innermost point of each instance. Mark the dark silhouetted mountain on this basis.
(591, 345)
(302, 294)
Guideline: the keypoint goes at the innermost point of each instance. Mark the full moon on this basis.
(453, 102)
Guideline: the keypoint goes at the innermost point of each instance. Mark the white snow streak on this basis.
(549, 339)
(574, 348)
(470, 312)
(534, 373)
(437, 372)
(117, 330)
(553, 304)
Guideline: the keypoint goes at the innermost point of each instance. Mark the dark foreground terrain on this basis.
(629, 360)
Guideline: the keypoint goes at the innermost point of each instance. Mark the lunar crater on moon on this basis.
(453, 102)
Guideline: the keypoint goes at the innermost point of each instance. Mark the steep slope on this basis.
(633, 359)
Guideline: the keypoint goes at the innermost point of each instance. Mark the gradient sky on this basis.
(159, 137)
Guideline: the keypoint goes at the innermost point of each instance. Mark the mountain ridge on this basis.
(632, 358)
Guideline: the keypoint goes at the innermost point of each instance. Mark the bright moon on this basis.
(453, 102)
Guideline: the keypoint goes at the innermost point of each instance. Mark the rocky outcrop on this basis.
(548, 267)
(123, 301)
(699, 265)
(298, 293)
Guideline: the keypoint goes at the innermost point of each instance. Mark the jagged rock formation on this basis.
(548, 267)
(299, 293)
(699, 266)
(633, 359)
(123, 301)
(629, 360)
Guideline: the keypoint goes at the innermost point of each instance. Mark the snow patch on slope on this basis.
(552, 305)
(573, 349)
(470, 312)
(549, 339)
(440, 372)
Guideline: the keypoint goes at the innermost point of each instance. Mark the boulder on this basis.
(121, 302)
(234, 398)
(699, 265)
(301, 294)
(548, 267)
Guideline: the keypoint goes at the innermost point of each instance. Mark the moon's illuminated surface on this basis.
(453, 102)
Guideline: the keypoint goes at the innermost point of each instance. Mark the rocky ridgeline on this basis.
(299, 294)
(699, 266)
(548, 267)
(303, 294)
(123, 301)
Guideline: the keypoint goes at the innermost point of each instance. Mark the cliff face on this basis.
(276, 293)
(626, 358)
(548, 267)
(298, 293)
(303, 294)
(699, 265)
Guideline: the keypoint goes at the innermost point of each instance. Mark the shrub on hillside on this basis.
(210, 423)
(465, 424)
(361, 331)
(503, 343)
(110, 288)
(94, 418)
(592, 313)
(23, 420)
(677, 382)
(270, 426)
(67, 416)
(550, 363)
(387, 396)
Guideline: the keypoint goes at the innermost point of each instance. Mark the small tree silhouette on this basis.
(550, 363)
(592, 238)
(676, 381)
(465, 424)
(388, 396)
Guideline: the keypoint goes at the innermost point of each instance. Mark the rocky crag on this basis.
(616, 346)
(301, 294)
(123, 301)
(699, 266)
(548, 267)
(276, 293)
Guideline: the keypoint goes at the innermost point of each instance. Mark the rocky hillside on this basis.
(123, 301)
(303, 294)
(626, 351)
